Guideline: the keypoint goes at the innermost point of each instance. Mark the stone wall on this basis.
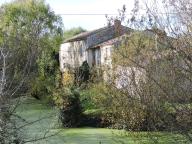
(72, 54)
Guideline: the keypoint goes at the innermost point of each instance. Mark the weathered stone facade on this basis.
(94, 47)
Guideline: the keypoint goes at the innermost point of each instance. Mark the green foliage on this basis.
(93, 103)
(68, 79)
(86, 97)
(97, 95)
(32, 109)
(34, 34)
(82, 74)
(120, 113)
(48, 77)
(72, 32)
(150, 75)
(69, 104)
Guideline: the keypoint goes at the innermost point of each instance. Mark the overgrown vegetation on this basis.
(33, 109)
(149, 87)
(68, 101)
(72, 32)
(30, 35)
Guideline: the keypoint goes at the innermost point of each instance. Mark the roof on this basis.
(109, 42)
(84, 35)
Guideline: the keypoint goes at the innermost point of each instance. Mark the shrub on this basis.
(68, 79)
(70, 108)
(82, 74)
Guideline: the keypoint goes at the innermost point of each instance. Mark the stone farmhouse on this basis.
(95, 47)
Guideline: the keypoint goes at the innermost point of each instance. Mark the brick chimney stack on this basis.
(117, 25)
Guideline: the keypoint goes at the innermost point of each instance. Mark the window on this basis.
(81, 51)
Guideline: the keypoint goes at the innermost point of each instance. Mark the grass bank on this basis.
(40, 120)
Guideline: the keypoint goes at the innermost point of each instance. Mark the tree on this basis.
(150, 88)
(72, 32)
(37, 30)
(29, 33)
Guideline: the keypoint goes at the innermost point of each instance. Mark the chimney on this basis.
(117, 25)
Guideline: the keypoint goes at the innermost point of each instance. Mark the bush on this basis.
(124, 111)
(82, 74)
(95, 118)
(70, 108)
(68, 79)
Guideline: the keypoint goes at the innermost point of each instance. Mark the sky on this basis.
(88, 22)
